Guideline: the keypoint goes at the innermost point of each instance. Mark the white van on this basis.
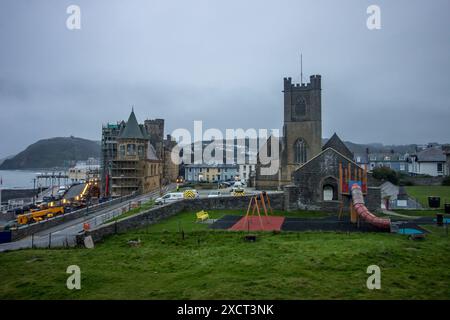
(237, 186)
(170, 197)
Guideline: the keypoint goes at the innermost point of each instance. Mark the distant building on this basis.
(393, 160)
(245, 171)
(135, 157)
(84, 170)
(431, 161)
(210, 172)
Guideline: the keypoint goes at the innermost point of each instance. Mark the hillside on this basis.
(54, 152)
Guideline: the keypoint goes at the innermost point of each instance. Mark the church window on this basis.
(300, 151)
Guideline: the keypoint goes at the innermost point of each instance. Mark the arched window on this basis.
(300, 151)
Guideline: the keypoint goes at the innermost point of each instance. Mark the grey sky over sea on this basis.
(223, 62)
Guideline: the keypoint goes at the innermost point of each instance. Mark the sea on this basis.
(17, 179)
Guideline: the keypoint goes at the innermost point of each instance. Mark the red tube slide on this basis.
(364, 213)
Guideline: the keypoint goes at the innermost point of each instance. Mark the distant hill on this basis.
(51, 153)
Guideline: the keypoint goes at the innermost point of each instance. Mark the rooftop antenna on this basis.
(301, 69)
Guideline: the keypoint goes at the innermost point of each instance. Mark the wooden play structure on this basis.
(348, 177)
(257, 203)
(354, 187)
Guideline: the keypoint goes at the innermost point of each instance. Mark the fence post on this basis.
(32, 241)
(49, 240)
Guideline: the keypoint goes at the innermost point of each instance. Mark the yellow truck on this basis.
(39, 215)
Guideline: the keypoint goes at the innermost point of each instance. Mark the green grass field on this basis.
(220, 265)
(421, 193)
(142, 207)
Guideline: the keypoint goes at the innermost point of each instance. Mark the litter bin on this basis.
(447, 208)
(434, 202)
(439, 219)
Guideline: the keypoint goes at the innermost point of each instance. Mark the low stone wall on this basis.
(30, 229)
(292, 201)
(158, 213)
(424, 181)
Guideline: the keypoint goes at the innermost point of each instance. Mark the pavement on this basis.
(64, 234)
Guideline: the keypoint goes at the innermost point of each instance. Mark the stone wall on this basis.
(158, 213)
(425, 181)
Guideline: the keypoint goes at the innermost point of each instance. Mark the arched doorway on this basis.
(328, 193)
(330, 189)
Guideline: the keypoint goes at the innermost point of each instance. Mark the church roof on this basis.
(132, 129)
(336, 143)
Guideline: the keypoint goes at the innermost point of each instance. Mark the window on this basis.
(439, 168)
(300, 151)
(141, 151)
(402, 167)
(131, 149)
(122, 150)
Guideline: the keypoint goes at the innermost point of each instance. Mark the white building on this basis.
(245, 170)
(430, 161)
(83, 170)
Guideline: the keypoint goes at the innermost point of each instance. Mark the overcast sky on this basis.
(223, 62)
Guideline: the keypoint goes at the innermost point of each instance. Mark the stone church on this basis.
(309, 172)
(302, 131)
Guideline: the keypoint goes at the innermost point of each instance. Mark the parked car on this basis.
(170, 197)
(214, 194)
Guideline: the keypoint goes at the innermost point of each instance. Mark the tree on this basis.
(385, 174)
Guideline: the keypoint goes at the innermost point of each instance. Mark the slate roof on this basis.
(336, 143)
(388, 157)
(434, 154)
(132, 129)
(151, 153)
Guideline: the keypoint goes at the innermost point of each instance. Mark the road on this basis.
(64, 234)
(74, 191)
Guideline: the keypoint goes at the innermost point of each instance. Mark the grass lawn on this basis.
(421, 193)
(210, 264)
(142, 207)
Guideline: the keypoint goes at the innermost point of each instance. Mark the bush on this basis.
(385, 174)
(446, 181)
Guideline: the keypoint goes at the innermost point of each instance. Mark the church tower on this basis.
(302, 129)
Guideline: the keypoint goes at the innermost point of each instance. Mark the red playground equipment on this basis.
(355, 186)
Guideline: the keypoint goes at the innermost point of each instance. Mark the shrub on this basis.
(385, 174)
